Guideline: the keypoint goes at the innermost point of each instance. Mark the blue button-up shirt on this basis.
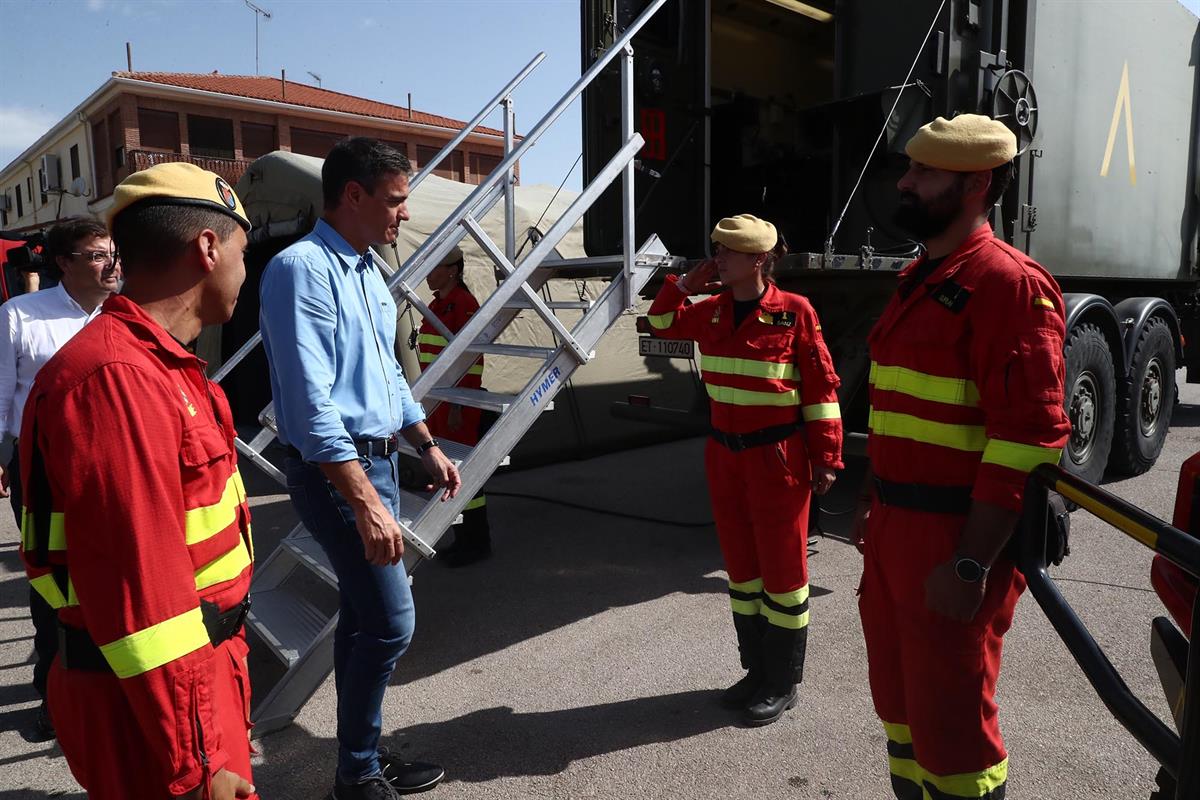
(329, 328)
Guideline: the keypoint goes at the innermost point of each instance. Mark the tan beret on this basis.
(967, 143)
(177, 184)
(453, 257)
(746, 233)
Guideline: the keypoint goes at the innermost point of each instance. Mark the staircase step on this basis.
(521, 301)
(517, 350)
(475, 398)
(455, 451)
(305, 548)
(286, 622)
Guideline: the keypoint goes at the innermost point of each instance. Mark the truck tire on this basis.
(1091, 394)
(1146, 402)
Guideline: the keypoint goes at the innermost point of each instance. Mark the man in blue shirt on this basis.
(329, 329)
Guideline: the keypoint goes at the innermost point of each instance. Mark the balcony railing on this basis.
(231, 169)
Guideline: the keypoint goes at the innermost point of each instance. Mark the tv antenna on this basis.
(258, 12)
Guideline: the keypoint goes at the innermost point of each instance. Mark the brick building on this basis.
(220, 122)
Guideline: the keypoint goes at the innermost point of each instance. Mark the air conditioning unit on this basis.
(51, 175)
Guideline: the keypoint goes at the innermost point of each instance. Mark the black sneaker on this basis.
(372, 788)
(409, 777)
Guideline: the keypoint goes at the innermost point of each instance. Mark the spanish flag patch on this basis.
(1046, 302)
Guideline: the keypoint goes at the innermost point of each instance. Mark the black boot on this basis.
(749, 631)
(783, 667)
(472, 539)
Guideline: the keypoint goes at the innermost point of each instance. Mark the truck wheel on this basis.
(1091, 392)
(1147, 401)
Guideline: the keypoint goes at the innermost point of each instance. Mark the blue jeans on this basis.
(376, 616)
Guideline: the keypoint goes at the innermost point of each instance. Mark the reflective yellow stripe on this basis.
(790, 598)
(478, 502)
(1043, 301)
(780, 620)
(953, 391)
(1114, 518)
(1021, 457)
(969, 438)
(223, 568)
(970, 784)
(207, 521)
(908, 769)
(47, 587)
(818, 411)
(425, 357)
(661, 321)
(476, 370)
(431, 338)
(748, 367)
(747, 608)
(58, 531)
(898, 732)
(745, 397)
(159, 644)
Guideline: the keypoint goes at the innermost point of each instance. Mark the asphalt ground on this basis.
(585, 658)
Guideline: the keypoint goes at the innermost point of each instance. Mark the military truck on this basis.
(799, 112)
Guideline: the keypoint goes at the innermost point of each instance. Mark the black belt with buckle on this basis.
(744, 441)
(924, 497)
(77, 650)
(368, 448)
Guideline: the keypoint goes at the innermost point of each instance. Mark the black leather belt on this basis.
(924, 497)
(743, 441)
(370, 448)
(77, 650)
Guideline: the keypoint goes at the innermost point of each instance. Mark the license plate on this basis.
(666, 348)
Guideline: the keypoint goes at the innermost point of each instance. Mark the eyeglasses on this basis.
(99, 256)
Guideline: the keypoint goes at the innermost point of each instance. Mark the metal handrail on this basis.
(1171, 750)
(444, 238)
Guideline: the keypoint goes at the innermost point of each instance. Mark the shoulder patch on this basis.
(1044, 302)
(952, 296)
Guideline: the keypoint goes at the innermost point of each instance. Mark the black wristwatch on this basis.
(425, 446)
(969, 570)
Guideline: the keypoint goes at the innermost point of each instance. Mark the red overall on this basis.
(773, 371)
(454, 310)
(966, 392)
(135, 516)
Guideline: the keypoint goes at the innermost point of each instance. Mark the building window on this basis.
(210, 137)
(29, 193)
(400, 147)
(99, 148)
(41, 183)
(74, 161)
(20, 205)
(116, 142)
(159, 129)
(314, 143)
(483, 164)
(451, 166)
(257, 140)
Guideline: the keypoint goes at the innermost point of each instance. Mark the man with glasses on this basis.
(32, 329)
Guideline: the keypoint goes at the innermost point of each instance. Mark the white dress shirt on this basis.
(32, 328)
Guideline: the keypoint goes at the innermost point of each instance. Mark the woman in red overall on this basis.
(776, 439)
(453, 304)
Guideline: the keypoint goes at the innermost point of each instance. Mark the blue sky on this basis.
(453, 55)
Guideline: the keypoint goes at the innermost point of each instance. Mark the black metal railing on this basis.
(1176, 752)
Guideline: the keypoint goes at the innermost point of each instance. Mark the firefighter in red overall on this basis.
(776, 438)
(136, 526)
(966, 389)
(453, 304)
